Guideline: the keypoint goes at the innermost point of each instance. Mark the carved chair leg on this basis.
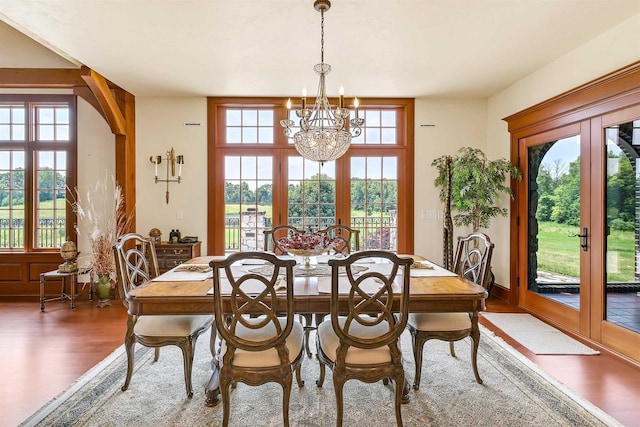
(187, 359)
(399, 398)
(224, 392)
(474, 357)
(129, 344)
(299, 376)
(338, 385)
(417, 343)
(320, 379)
(286, 395)
(475, 336)
(308, 327)
(156, 354)
(452, 349)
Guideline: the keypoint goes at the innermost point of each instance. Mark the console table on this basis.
(172, 254)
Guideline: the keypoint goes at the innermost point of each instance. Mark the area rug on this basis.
(536, 335)
(514, 393)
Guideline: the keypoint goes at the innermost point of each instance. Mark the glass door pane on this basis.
(374, 201)
(311, 190)
(622, 302)
(554, 220)
(248, 198)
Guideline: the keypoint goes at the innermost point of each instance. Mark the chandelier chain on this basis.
(322, 37)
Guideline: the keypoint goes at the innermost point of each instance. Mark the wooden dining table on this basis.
(427, 294)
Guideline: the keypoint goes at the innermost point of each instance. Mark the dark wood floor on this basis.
(42, 354)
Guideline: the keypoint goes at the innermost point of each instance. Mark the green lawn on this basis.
(560, 253)
(47, 207)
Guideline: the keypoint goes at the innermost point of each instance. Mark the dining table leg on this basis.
(212, 390)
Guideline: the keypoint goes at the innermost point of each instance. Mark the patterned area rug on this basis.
(514, 393)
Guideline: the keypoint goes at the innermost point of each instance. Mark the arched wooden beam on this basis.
(100, 89)
(85, 93)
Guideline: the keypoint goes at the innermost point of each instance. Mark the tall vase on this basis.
(103, 290)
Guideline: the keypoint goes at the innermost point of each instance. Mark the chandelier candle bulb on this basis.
(341, 92)
(288, 108)
(304, 98)
(356, 104)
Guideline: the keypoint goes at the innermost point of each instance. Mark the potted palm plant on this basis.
(473, 186)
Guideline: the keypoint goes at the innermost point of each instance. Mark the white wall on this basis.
(160, 126)
(457, 124)
(614, 49)
(96, 158)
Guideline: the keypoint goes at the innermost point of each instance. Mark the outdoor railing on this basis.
(50, 233)
(375, 231)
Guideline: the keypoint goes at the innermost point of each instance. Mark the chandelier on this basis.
(322, 136)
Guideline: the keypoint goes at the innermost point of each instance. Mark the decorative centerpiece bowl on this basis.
(306, 255)
(307, 245)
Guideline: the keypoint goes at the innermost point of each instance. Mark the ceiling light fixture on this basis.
(322, 136)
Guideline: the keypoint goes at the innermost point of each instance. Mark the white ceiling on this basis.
(377, 48)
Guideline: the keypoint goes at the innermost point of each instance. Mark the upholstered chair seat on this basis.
(265, 358)
(175, 325)
(329, 342)
(440, 321)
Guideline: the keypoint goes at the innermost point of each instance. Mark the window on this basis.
(258, 179)
(37, 160)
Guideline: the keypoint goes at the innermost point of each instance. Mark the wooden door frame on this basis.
(607, 100)
(614, 91)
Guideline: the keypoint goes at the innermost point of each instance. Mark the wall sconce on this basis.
(172, 159)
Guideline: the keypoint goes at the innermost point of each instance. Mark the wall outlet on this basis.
(179, 214)
(429, 214)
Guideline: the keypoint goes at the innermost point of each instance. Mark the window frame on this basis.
(280, 149)
(31, 147)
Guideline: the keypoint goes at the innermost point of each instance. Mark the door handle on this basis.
(585, 238)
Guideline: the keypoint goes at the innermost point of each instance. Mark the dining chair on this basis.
(272, 244)
(361, 339)
(348, 241)
(348, 238)
(272, 237)
(136, 264)
(257, 346)
(473, 262)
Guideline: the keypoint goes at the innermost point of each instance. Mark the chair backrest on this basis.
(348, 238)
(473, 258)
(374, 297)
(254, 302)
(272, 236)
(136, 262)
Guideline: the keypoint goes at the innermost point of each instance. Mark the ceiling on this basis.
(377, 48)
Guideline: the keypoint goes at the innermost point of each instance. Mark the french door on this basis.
(579, 215)
(258, 180)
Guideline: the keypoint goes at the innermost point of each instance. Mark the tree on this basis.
(566, 197)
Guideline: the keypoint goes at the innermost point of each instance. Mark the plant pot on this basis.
(102, 289)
